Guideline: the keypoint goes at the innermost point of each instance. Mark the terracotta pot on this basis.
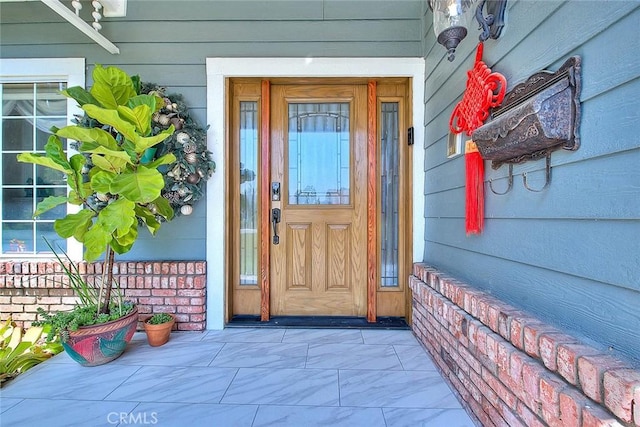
(158, 335)
(98, 344)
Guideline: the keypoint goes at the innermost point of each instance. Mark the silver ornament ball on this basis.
(193, 178)
(191, 157)
(183, 137)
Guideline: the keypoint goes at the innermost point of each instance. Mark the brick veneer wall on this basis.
(173, 287)
(510, 368)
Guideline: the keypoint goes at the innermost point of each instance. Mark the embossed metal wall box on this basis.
(536, 117)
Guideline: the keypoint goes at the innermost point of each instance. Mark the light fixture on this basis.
(451, 18)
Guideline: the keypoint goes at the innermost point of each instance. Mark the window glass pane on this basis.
(17, 204)
(17, 99)
(248, 193)
(318, 154)
(44, 230)
(48, 177)
(17, 134)
(389, 184)
(17, 237)
(14, 173)
(43, 131)
(50, 101)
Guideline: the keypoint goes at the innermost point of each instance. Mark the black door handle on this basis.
(275, 219)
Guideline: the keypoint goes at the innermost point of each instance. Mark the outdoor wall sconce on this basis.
(451, 18)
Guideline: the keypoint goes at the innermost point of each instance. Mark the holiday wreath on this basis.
(186, 177)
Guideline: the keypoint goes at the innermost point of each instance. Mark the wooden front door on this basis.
(319, 196)
(332, 157)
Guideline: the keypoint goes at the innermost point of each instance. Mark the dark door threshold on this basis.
(320, 322)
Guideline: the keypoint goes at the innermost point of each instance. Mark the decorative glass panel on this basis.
(248, 193)
(28, 112)
(319, 154)
(389, 165)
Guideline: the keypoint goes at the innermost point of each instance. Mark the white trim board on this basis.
(218, 69)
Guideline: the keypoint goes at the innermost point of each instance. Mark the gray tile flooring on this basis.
(243, 377)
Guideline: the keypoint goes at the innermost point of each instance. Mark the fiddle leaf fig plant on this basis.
(108, 165)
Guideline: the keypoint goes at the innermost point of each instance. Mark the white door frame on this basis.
(219, 69)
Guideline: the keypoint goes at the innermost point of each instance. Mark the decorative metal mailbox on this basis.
(536, 117)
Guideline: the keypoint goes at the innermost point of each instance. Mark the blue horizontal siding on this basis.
(604, 315)
(571, 253)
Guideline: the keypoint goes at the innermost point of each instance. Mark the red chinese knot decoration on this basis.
(485, 90)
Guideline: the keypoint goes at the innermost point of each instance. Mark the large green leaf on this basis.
(89, 136)
(74, 198)
(95, 242)
(126, 240)
(39, 159)
(154, 102)
(77, 162)
(120, 249)
(108, 152)
(112, 118)
(130, 148)
(148, 218)
(111, 86)
(54, 149)
(143, 143)
(167, 159)
(109, 160)
(118, 217)
(76, 179)
(81, 95)
(140, 117)
(163, 208)
(137, 84)
(49, 203)
(74, 224)
(55, 157)
(142, 186)
(101, 181)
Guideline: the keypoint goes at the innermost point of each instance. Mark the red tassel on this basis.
(474, 208)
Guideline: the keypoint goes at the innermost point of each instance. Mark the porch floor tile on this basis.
(243, 377)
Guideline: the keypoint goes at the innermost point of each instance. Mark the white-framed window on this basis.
(454, 145)
(31, 105)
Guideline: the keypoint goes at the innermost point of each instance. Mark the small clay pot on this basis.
(158, 335)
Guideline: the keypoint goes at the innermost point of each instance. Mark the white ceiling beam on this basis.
(77, 22)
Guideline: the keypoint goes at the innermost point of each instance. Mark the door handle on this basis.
(275, 219)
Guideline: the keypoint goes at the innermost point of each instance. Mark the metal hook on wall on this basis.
(547, 176)
(509, 186)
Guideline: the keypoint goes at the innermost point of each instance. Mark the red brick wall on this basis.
(174, 287)
(511, 369)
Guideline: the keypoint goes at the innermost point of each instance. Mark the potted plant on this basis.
(158, 328)
(116, 189)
